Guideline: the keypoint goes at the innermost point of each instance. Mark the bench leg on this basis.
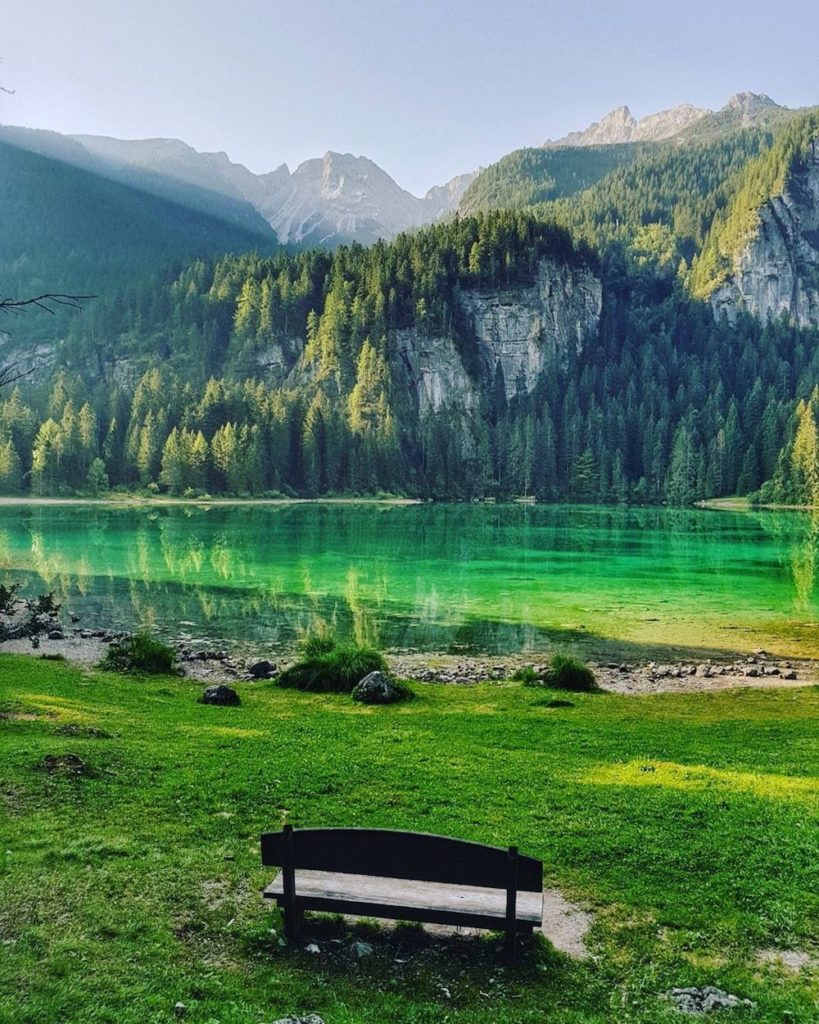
(510, 945)
(293, 922)
(511, 905)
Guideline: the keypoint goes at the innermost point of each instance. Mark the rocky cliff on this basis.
(777, 272)
(522, 329)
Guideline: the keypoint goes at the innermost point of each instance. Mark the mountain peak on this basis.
(620, 126)
(743, 109)
(620, 115)
(749, 102)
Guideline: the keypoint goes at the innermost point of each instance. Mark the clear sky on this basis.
(426, 88)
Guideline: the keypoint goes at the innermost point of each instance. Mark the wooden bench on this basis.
(406, 876)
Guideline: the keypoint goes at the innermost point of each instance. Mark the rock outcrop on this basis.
(378, 688)
(224, 696)
(777, 272)
(525, 329)
(430, 371)
(522, 329)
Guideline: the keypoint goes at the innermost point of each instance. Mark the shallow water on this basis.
(478, 579)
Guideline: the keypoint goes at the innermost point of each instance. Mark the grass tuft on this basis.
(565, 673)
(140, 654)
(328, 666)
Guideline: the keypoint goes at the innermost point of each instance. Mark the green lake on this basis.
(458, 578)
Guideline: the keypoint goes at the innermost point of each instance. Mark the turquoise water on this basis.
(429, 577)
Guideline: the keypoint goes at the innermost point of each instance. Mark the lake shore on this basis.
(744, 505)
(118, 500)
(140, 501)
(681, 674)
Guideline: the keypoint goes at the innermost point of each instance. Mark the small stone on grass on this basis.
(705, 1000)
(222, 695)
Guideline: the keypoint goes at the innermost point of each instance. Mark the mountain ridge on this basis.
(327, 200)
(743, 110)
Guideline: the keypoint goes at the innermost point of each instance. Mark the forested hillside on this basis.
(665, 404)
(531, 176)
(65, 229)
(382, 368)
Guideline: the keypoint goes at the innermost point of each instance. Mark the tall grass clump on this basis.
(526, 674)
(563, 673)
(567, 673)
(329, 666)
(142, 654)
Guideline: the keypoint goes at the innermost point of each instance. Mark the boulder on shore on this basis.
(377, 688)
(261, 669)
(224, 695)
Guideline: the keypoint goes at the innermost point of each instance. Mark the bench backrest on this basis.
(411, 855)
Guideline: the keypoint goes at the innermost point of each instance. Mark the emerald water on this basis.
(488, 579)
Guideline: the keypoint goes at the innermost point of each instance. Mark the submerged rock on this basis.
(224, 695)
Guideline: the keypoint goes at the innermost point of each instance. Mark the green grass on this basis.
(687, 823)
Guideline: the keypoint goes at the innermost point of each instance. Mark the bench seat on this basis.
(409, 900)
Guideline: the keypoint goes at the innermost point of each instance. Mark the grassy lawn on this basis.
(688, 824)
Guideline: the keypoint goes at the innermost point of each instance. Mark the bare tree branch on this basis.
(46, 302)
(8, 92)
(12, 373)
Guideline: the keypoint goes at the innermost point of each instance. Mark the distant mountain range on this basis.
(339, 198)
(327, 201)
(743, 110)
(598, 330)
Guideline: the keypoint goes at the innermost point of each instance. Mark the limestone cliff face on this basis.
(778, 270)
(524, 329)
(278, 358)
(430, 373)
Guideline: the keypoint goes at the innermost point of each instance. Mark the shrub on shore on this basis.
(141, 653)
(563, 673)
(567, 673)
(327, 666)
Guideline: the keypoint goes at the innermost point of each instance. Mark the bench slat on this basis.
(394, 854)
(422, 901)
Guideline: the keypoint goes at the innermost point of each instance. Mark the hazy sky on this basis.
(426, 88)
